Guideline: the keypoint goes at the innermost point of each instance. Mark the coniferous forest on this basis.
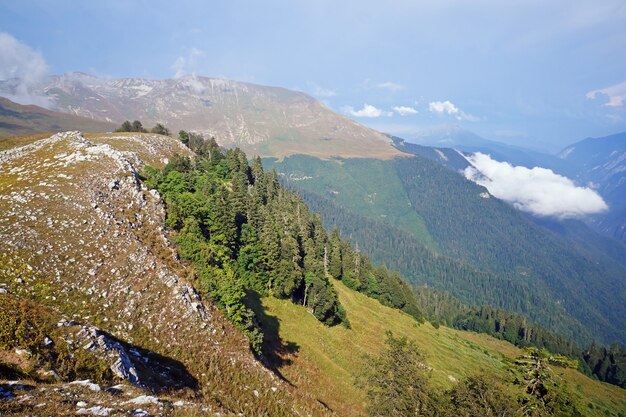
(246, 233)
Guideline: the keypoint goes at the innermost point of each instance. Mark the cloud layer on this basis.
(367, 111)
(19, 61)
(447, 107)
(538, 190)
(184, 65)
(616, 94)
(404, 110)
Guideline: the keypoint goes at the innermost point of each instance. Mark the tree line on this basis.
(137, 126)
(245, 233)
(439, 274)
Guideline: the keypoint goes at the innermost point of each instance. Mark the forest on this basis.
(435, 276)
(245, 233)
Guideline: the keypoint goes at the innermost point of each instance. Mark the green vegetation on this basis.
(536, 268)
(367, 187)
(137, 126)
(483, 251)
(397, 384)
(244, 233)
(325, 361)
(31, 328)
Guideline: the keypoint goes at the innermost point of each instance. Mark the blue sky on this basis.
(533, 73)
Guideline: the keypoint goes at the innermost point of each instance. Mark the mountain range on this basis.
(99, 260)
(268, 121)
(407, 192)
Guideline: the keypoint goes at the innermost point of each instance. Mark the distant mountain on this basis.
(451, 136)
(17, 119)
(447, 157)
(601, 164)
(268, 121)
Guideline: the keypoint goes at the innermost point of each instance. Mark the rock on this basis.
(23, 352)
(3, 291)
(143, 399)
(47, 341)
(97, 410)
(140, 413)
(87, 383)
(81, 404)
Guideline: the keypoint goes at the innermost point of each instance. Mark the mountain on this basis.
(601, 163)
(452, 136)
(444, 231)
(448, 157)
(105, 309)
(19, 120)
(85, 254)
(268, 121)
(447, 217)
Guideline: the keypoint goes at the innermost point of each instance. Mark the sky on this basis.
(534, 73)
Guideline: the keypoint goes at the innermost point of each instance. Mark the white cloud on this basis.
(404, 110)
(367, 111)
(538, 190)
(447, 107)
(616, 94)
(20, 61)
(185, 65)
(391, 86)
(323, 92)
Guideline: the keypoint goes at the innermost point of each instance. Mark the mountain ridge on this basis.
(268, 121)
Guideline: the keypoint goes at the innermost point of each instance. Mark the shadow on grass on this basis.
(157, 373)
(277, 353)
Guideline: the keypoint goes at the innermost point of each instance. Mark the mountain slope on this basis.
(602, 163)
(325, 361)
(80, 235)
(268, 121)
(492, 253)
(85, 257)
(17, 120)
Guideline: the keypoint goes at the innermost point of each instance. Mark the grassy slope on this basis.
(369, 187)
(19, 120)
(324, 360)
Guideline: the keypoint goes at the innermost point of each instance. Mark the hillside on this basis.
(602, 163)
(20, 120)
(89, 268)
(491, 253)
(325, 361)
(267, 121)
(83, 239)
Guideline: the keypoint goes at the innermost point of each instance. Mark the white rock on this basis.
(97, 410)
(143, 399)
(86, 383)
(81, 404)
(22, 352)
